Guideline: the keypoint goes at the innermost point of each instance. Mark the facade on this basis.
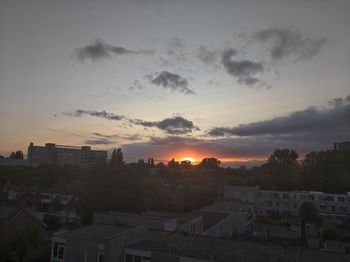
(334, 208)
(96, 243)
(59, 154)
(245, 194)
(343, 146)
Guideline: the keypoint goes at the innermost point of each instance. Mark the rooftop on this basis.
(224, 250)
(94, 232)
(224, 206)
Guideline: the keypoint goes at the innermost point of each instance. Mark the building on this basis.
(334, 208)
(245, 194)
(101, 243)
(153, 222)
(59, 154)
(177, 247)
(225, 218)
(343, 146)
(26, 228)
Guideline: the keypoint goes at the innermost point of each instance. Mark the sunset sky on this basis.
(175, 78)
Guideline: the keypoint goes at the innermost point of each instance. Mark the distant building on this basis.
(59, 154)
(245, 194)
(343, 146)
(334, 208)
(101, 243)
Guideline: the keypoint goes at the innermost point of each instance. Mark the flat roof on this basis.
(143, 216)
(226, 206)
(94, 232)
(225, 250)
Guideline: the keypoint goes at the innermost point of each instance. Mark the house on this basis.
(101, 243)
(25, 227)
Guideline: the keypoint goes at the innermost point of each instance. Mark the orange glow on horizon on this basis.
(196, 157)
(191, 159)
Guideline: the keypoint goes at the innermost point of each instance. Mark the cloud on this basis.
(207, 56)
(287, 42)
(100, 114)
(171, 81)
(310, 120)
(99, 141)
(243, 70)
(99, 50)
(175, 125)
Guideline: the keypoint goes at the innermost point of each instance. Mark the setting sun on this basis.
(192, 160)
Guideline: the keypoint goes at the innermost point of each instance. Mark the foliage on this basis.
(210, 163)
(17, 155)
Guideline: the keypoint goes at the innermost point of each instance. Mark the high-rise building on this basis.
(343, 146)
(60, 154)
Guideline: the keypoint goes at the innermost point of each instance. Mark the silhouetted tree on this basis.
(152, 162)
(161, 165)
(117, 157)
(186, 164)
(173, 164)
(210, 163)
(17, 155)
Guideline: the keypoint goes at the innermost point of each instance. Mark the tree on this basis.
(161, 165)
(117, 157)
(173, 164)
(210, 163)
(17, 155)
(308, 213)
(286, 159)
(186, 164)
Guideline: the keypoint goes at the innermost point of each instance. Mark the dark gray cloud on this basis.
(175, 125)
(99, 141)
(99, 50)
(171, 81)
(287, 42)
(309, 120)
(243, 70)
(100, 114)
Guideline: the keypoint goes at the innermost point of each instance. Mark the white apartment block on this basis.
(332, 207)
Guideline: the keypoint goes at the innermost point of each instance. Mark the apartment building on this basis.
(61, 154)
(332, 207)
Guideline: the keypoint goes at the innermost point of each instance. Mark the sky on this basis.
(175, 78)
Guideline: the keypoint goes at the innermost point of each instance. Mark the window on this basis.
(343, 209)
(58, 250)
(323, 207)
(341, 199)
(128, 258)
(145, 259)
(100, 257)
(137, 259)
(333, 208)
